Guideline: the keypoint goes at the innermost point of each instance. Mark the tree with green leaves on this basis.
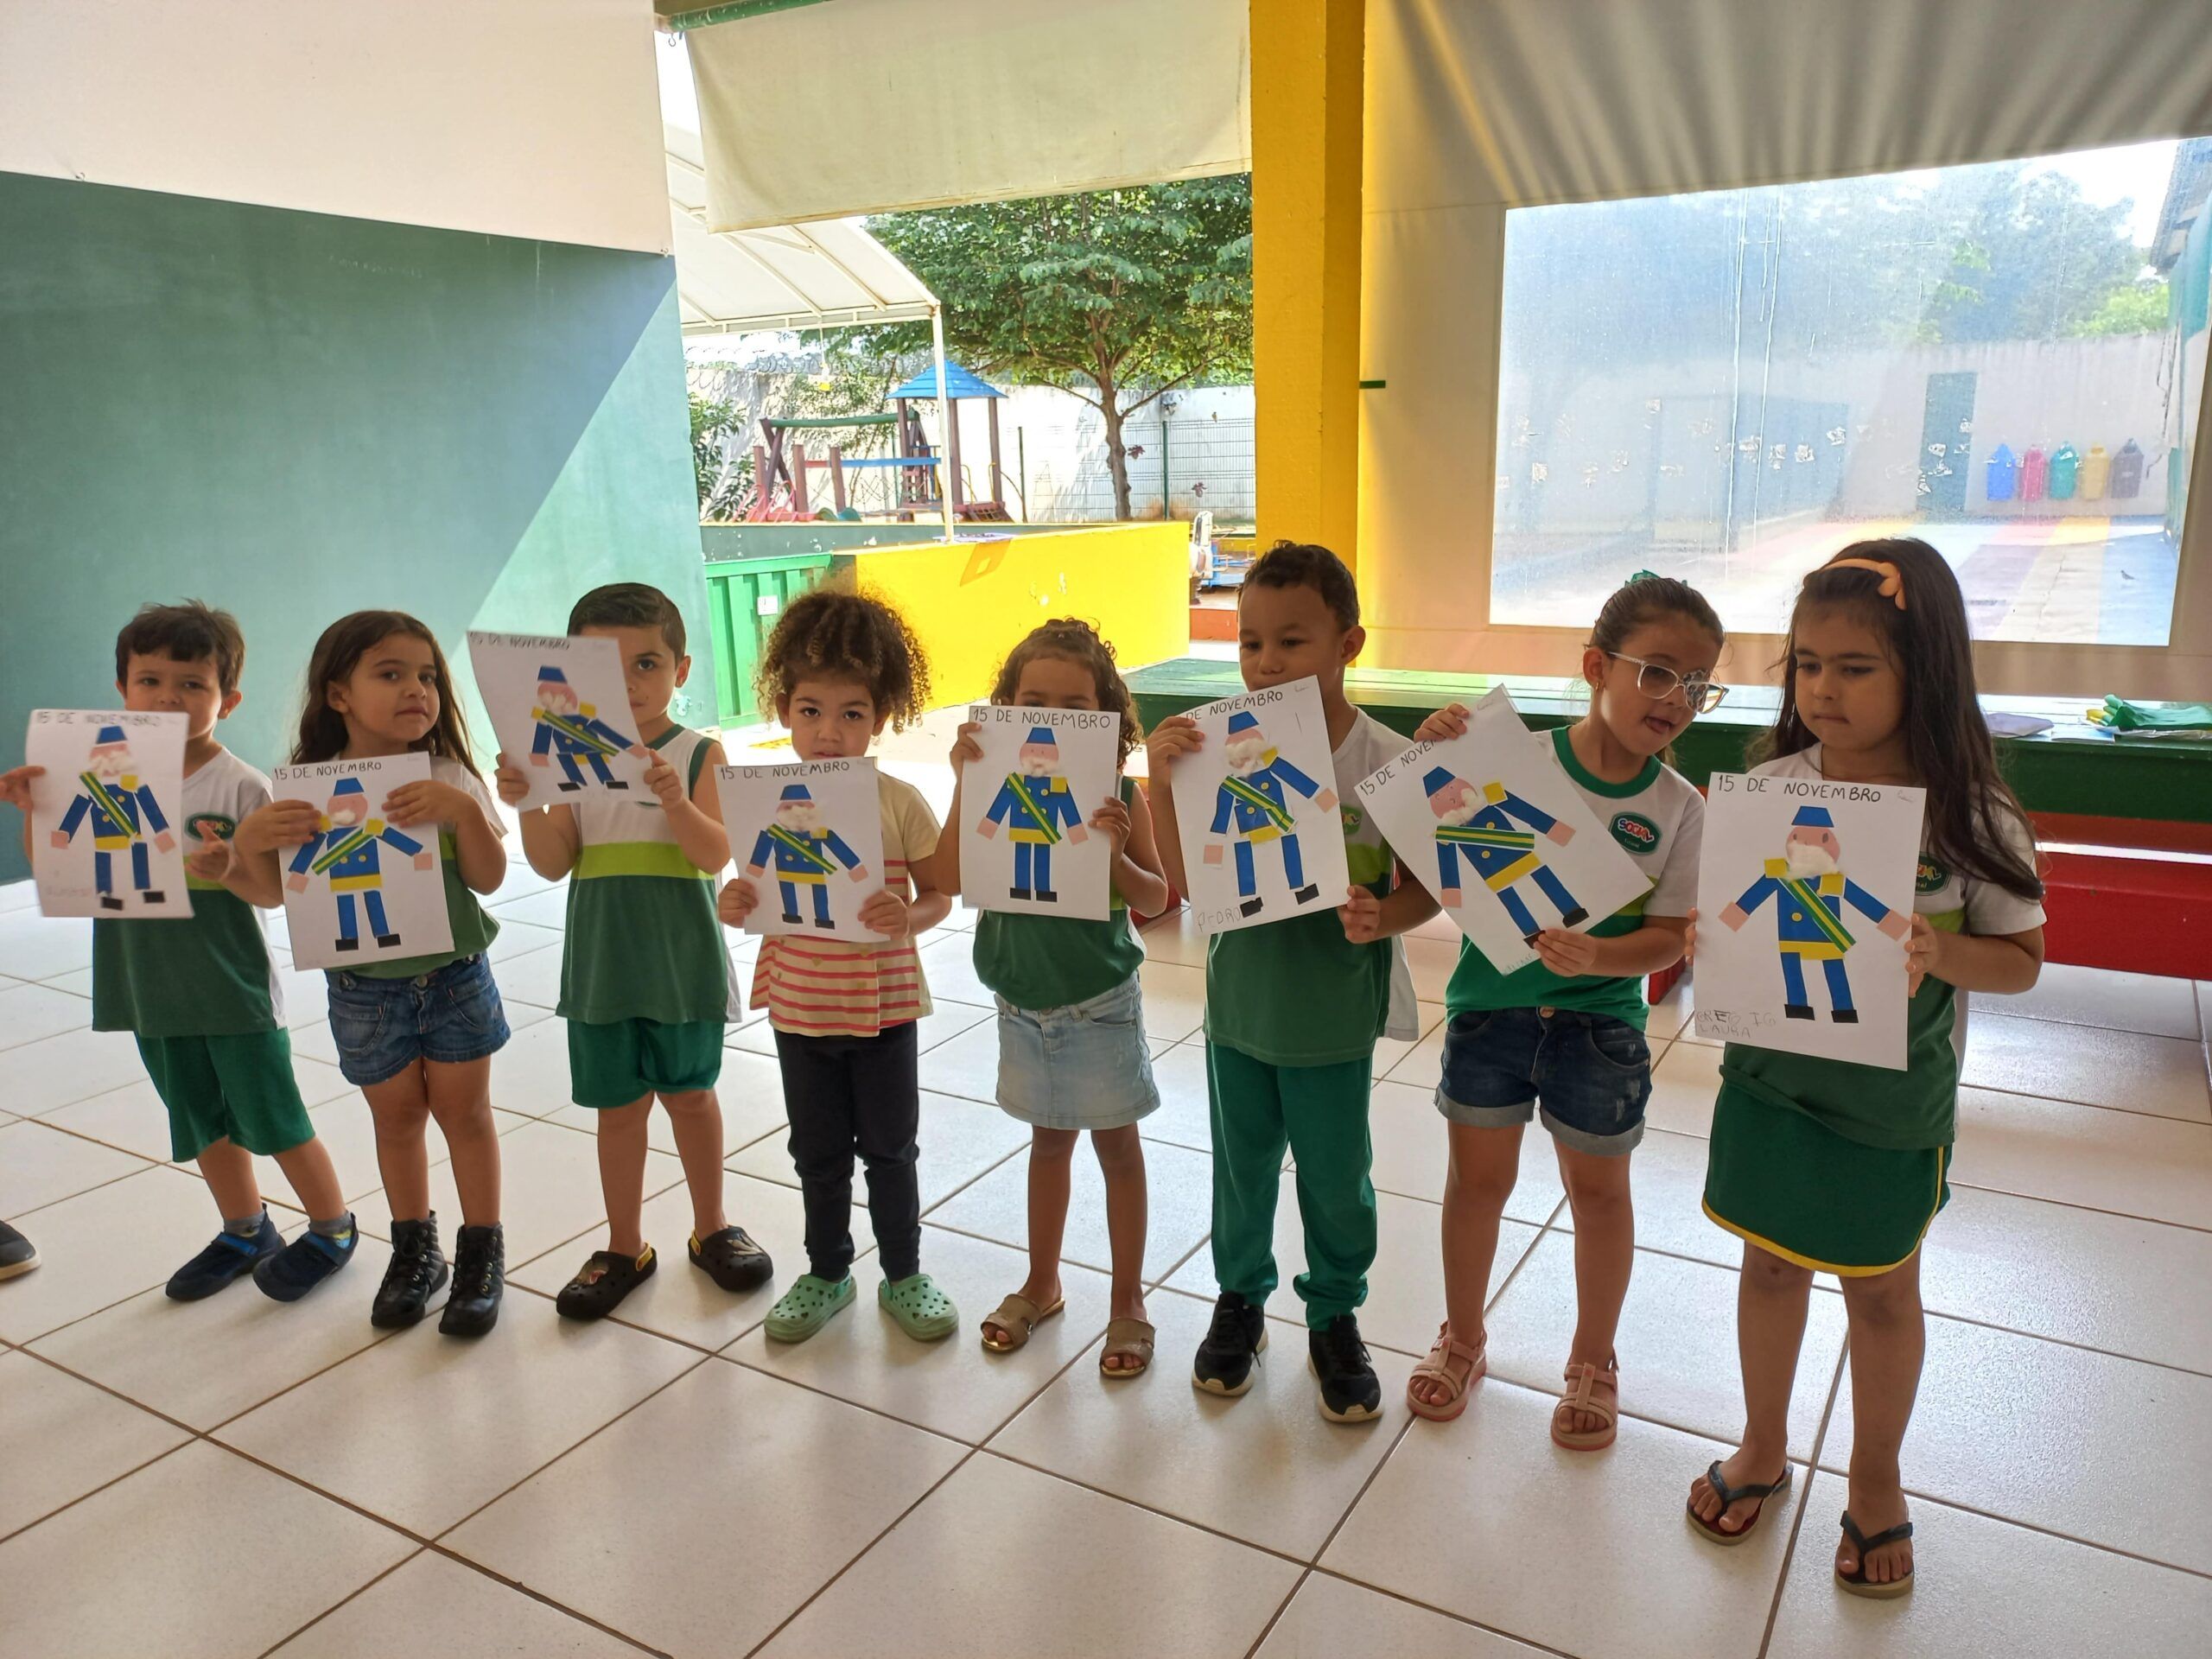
(1115, 296)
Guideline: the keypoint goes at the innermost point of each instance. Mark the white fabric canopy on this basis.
(867, 106)
(826, 275)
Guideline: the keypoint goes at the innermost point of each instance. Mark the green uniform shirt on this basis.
(209, 976)
(1917, 1107)
(1298, 992)
(1056, 961)
(1658, 818)
(642, 942)
(473, 930)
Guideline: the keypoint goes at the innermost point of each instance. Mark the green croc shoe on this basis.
(924, 1312)
(809, 1304)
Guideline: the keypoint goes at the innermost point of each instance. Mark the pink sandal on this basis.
(1583, 1382)
(1438, 1368)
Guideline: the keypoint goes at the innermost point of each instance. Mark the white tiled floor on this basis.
(672, 1481)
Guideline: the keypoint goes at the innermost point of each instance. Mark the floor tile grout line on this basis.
(1805, 1498)
(2088, 1105)
(1282, 1607)
(357, 1590)
(433, 1547)
(889, 1416)
(137, 1468)
(1498, 1631)
(2090, 1209)
(822, 1589)
(129, 1174)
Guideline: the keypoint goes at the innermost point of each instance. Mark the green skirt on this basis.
(1798, 1190)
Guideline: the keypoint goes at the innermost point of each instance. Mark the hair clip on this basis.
(1892, 579)
(1641, 575)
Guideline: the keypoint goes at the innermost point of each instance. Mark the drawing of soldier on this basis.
(119, 811)
(1809, 891)
(345, 849)
(804, 852)
(1038, 810)
(1484, 828)
(569, 727)
(1253, 799)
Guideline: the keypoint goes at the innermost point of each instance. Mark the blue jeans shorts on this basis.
(1086, 1066)
(383, 1025)
(1592, 1072)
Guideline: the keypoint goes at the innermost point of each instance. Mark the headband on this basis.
(1892, 580)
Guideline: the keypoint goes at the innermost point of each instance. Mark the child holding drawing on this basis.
(416, 1034)
(645, 980)
(838, 668)
(1072, 1054)
(201, 997)
(1822, 1165)
(1566, 1032)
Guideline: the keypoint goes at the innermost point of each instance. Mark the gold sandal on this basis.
(1127, 1340)
(1017, 1316)
(1583, 1382)
(1438, 1368)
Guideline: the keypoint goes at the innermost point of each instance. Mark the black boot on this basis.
(480, 1274)
(416, 1272)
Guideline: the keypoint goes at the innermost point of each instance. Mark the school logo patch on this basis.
(1929, 876)
(1637, 833)
(210, 826)
(1354, 817)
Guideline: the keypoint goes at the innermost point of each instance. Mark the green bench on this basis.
(2126, 827)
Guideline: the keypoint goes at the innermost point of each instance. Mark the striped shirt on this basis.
(843, 988)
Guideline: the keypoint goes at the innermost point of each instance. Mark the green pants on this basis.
(1320, 1113)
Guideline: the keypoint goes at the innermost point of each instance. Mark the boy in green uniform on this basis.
(645, 980)
(1293, 1010)
(201, 997)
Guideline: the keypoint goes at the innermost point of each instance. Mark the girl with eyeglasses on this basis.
(1565, 1034)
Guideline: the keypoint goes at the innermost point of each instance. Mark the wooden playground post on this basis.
(950, 407)
(837, 476)
(798, 481)
(998, 473)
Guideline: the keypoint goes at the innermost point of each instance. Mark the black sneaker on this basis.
(228, 1258)
(1237, 1336)
(17, 1253)
(732, 1260)
(1350, 1392)
(309, 1259)
(480, 1276)
(416, 1273)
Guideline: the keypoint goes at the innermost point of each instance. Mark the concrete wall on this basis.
(1208, 452)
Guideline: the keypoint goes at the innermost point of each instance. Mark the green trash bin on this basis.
(2065, 469)
(744, 599)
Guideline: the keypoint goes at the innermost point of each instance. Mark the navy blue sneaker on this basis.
(302, 1264)
(225, 1259)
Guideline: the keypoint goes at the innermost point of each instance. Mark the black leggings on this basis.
(855, 1094)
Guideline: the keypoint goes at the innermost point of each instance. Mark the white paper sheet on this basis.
(361, 891)
(561, 712)
(809, 835)
(106, 835)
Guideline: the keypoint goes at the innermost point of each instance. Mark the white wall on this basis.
(534, 118)
(1208, 452)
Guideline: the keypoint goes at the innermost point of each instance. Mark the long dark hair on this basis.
(1972, 813)
(1073, 640)
(344, 643)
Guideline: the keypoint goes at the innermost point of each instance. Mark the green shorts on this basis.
(1795, 1188)
(235, 1089)
(624, 1060)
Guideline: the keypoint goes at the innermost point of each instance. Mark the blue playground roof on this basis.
(963, 382)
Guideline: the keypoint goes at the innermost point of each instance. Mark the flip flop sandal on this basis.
(598, 1287)
(1016, 1318)
(1438, 1368)
(924, 1312)
(1856, 1583)
(1730, 1496)
(732, 1260)
(1127, 1340)
(809, 1304)
(1583, 1382)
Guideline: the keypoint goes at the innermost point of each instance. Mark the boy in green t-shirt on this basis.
(1293, 1010)
(202, 997)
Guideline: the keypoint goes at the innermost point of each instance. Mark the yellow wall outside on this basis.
(1308, 64)
(972, 602)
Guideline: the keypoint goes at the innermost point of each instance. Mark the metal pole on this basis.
(945, 413)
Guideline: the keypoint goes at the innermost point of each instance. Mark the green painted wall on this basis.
(294, 416)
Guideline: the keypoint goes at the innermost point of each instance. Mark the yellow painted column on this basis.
(1306, 92)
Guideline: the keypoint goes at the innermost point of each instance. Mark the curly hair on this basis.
(838, 633)
(1072, 640)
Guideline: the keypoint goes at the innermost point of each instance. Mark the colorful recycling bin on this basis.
(2127, 472)
(2065, 469)
(2096, 470)
(2003, 476)
(2035, 474)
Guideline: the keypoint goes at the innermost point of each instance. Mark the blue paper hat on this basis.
(795, 792)
(551, 677)
(346, 786)
(1243, 720)
(108, 735)
(1437, 779)
(1041, 735)
(1815, 817)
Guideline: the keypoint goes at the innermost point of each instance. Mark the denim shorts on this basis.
(1086, 1066)
(1592, 1072)
(383, 1025)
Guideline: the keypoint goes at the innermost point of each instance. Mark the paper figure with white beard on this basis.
(1252, 810)
(1809, 891)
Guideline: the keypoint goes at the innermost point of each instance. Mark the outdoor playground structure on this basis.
(916, 487)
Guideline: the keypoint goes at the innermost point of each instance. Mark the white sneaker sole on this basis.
(1207, 1385)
